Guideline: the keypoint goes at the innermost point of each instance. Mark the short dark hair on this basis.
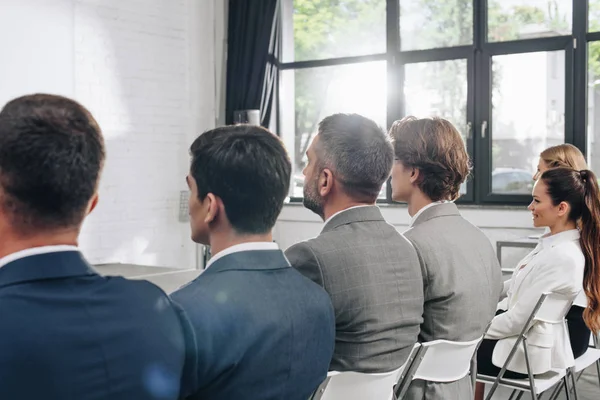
(359, 153)
(51, 155)
(436, 149)
(248, 168)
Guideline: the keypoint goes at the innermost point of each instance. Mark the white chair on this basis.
(439, 361)
(550, 308)
(591, 356)
(360, 386)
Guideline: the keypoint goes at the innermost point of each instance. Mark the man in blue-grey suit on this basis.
(67, 333)
(263, 330)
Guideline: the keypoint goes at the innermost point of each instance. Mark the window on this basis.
(314, 93)
(528, 109)
(433, 24)
(328, 29)
(526, 19)
(504, 72)
(593, 117)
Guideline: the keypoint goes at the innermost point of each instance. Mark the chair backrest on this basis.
(361, 386)
(439, 361)
(445, 361)
(553, 308)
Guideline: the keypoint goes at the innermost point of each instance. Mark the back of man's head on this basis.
(358, 152)
(436, 149)
(51, 155)
(248, 168)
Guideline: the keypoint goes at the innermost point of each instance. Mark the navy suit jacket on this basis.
(68, 333)
(263, 331)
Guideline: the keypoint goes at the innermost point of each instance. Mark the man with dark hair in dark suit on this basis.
(263, 330)
(67, 333)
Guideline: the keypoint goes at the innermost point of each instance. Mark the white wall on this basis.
(36, 48)
(499, 223)
(146, 70)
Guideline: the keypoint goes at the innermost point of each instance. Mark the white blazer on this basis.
(555, 265)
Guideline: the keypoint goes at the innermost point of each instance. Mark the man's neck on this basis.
(10, 244)
(222, 241)
(332, 209)
(417, 201)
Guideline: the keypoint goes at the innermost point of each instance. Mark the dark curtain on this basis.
(249, 56)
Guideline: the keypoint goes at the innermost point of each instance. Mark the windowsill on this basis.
(298, 203)
(491, 216)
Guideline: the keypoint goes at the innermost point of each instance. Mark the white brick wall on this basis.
(133, 61)
(146, 69)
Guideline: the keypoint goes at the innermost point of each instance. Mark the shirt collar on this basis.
(435, 203)
(34, 251)
(250, 246)
(548, 240)
(346, 209)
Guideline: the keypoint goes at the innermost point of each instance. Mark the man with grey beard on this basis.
(371, 272)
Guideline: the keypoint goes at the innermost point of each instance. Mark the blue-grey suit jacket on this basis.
(263, 330)
(67, 333)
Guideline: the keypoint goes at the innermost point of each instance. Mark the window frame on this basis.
(478, 56)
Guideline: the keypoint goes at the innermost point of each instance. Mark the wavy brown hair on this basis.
(580, 190)
(436, 149)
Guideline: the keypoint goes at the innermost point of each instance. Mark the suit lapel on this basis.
(519, 276)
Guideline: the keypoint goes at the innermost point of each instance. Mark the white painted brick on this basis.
(132, 71)
(146, 70)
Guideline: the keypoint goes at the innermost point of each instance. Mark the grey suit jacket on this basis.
(373, 276)
(462, 282)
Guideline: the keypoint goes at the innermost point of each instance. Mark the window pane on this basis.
(594, 16)
(333, 28)
(319, 92)
(438, 89)
(426, 24)
(593, 128)
(526, 19)
(528, 115)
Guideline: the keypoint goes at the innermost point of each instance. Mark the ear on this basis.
(563, 208)
(212, 206)
(414, 175)
(325, 182)
(92, 204)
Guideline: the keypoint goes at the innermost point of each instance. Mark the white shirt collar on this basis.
(435, 203)
(251, 246)
(34, 251)
(548, 240)
(344, 210)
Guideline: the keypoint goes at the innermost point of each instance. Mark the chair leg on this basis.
(574, 384)
(567, 389)
(531, 379)
(520, 395)
(512, 394)
(556, 391)
(492, 390)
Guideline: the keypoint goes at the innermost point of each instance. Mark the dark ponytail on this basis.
(590, 244)
(580, 190)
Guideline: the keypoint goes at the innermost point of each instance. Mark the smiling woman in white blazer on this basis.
(556, 265)
(565, 261)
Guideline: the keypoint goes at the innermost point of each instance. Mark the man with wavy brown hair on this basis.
(461, 276)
